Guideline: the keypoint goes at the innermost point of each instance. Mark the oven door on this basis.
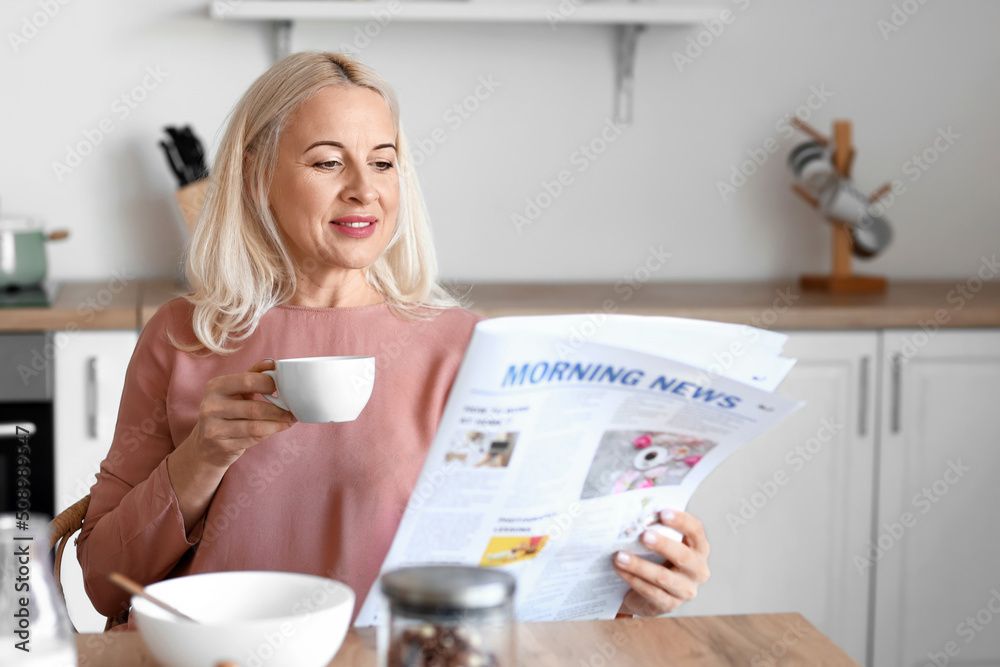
(27, 465)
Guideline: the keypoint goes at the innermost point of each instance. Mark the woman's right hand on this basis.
(229, 422)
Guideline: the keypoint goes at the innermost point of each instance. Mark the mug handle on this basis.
(275, 399)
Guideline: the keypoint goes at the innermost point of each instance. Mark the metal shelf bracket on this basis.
(281, 39)
(626, 40)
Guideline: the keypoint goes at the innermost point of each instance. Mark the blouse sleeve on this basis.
(134, 524)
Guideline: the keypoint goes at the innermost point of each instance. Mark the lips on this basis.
(355, 226)
(356, 221)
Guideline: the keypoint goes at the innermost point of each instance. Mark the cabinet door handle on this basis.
(17, 430)
(92, 398)
(897, 388)
(863, 396)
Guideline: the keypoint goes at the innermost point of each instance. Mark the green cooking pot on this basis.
(22, 253)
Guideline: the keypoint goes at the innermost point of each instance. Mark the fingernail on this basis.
(666, 516)
(649, 538)
(623, 558)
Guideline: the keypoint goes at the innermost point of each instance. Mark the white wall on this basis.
(118, 204)
(654, 186)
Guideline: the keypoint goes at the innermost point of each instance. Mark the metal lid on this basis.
(463, 587)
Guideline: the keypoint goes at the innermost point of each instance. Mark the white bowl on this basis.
(255, 619)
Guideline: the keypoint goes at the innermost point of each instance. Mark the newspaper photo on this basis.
(564, 436)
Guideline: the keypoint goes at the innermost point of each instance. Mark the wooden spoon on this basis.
(132, 587)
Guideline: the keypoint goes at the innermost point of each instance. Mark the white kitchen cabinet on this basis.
(785, 513)
(938, 560)
(89, 374)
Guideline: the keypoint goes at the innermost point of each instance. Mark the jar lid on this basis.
(463, 587)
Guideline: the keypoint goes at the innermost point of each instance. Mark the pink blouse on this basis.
(322, 499)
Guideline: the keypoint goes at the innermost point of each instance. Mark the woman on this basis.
(314, 241)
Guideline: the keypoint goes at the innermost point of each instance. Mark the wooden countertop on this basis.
(785, 639)
(111, 304)
(771, 305)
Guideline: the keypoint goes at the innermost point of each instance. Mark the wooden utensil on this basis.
(134, 588)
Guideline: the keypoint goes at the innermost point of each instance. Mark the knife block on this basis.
(190, 199)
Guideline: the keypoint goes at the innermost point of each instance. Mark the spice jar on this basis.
(447, 616)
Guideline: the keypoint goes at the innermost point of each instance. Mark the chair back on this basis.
(61, 530)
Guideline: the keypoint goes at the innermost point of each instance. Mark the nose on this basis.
(358, 186)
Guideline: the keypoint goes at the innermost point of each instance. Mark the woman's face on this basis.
(335, 188)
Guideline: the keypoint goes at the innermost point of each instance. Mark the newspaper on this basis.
(564, 436)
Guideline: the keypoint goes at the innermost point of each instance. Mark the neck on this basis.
(350, 291)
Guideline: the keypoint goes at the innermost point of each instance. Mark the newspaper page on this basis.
(564, 436)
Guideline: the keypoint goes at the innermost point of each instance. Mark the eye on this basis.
(327, 164)
(383, 165)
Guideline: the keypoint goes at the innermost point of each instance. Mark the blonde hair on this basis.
(238, 265)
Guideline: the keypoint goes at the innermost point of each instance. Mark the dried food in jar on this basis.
(439, 646)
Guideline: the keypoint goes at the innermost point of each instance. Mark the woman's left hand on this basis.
(661, 588)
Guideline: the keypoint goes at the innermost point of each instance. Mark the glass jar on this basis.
(35, 629)
(447, 616)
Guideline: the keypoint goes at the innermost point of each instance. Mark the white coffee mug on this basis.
(318, 390)
(811, 163)
(845, 203)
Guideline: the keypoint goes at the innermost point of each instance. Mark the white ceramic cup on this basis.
(318, 390)
(845, 203)
(813, 167)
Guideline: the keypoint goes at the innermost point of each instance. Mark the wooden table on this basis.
(749, 641)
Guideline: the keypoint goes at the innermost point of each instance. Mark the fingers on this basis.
(646, 597)
(230, 408)
(675, 583)
(678, 556)
(221, 391)
(240, 384)
(637, 605)
(262, 365)
(689, 527)
(231, 419)
(236, 435)
(661, 588)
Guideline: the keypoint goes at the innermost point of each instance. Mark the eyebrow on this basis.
(340, 145)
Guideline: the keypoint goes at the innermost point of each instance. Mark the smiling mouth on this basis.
(355, 221)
